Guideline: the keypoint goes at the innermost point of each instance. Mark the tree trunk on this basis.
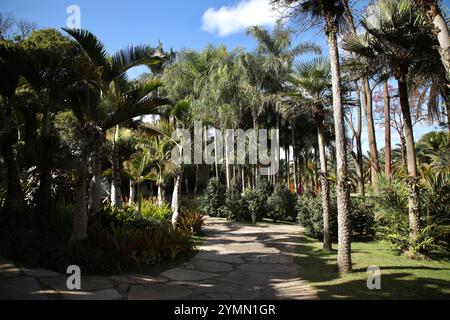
(443, 35)
(342, 187)
(176, 199)
(131, 194)
(95, 185)
(80, 217)
(216, 155)
(14, 203)
(325, 187)
(367, 96)
(116, 194)
(227, 164)
(294, 152)
(387, 130)
(368, 108)
(137, 210)
(359, 163)
(413, 195)
(288, 177)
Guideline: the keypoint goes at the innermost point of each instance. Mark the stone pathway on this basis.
(236, 262)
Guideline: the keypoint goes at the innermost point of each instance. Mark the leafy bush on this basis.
(281, 204)
(255, 204)
(392, 222)
(362, 216)
(116, 243)
(234, 208)
(151, 209)
(191, 221)
(214, 199)
(310, 215)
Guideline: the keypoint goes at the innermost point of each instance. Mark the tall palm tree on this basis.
(367, 104)
(435, 15)
(95, 118)
(112, 69)
(397, 36)
(14, 203)
(311, 88)
(331, 13)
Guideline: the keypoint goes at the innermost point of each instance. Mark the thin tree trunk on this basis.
(44, 199)
(359, 163)
(131, 194)
(286, 154)
(216, 155)
(387, 130)
(116, 194)
(14, 203)
(176, 199)
(294, 153)
(368, 108)
(80, 218)
(413, 195)
(344, 259)
(325, 187)
(95, 185)
(137, 210)
(443, 34)
(367, 103)
(227, 164)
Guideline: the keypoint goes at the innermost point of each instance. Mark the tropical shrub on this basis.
(310, 215)
(151, 209)
(234, 208)
(214, 199)
(191, 221)
(362, 217)
(254, 202)
(281, 204)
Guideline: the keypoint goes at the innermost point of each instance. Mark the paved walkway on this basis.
(238, 262)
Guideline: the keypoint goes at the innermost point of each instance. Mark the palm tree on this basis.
(368, 110)
(138, 170)
(112, 71)
(14, 203)
(434, 14)
(331, 13)
(95, 118)
(397, 36)
(311, 88)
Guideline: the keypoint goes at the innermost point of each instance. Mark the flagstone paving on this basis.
(235, 262)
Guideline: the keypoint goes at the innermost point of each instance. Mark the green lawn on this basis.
(401, 278)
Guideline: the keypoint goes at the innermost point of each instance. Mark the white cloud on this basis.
(227, 20)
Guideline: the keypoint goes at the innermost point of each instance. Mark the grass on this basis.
(401, 278)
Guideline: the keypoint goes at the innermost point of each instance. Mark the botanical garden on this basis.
(87, 175)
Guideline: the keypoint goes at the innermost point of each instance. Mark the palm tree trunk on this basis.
(443, 34)
(216, 154)
(288, 178)
(413, 195)
(367, 102)
(176, 199)
(359, 164)
(14, 203)
(95, 185)
(368, 108)
(227, 164)
(344, 259)
(137, 210)
(44, 199)
(80, 217)
(116, 194)
(325, 187)
(387, 132)
(131, 194)
(294, 151)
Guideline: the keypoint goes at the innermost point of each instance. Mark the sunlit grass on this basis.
(401, 278)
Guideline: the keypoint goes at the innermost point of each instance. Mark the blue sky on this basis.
(178, 24)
